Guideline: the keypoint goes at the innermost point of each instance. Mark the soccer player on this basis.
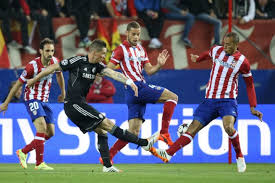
(82, 73)
(36, 99)
(132, 58)
(220, 98)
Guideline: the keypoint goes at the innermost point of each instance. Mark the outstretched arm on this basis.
(121, 78)
(198, 58)
(50, 69)
(250, 89)
(163, 56)
(11, 94)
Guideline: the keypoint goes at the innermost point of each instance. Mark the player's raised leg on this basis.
(170, 101)
(185, 139)
(228, 123)
(125, 135)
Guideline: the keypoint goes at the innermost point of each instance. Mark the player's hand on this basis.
(3, 108)
(256, 113)
(30, 82)
(163, 56)
(134, 88)
(194, 57)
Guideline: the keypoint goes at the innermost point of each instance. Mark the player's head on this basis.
(46, 49)
(97, 51)
(231, 41)
(133, 33)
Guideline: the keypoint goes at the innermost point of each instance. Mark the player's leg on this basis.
(229, 113)
(203, 115)
(185, 139)
(134, 127)
(104, 151)
(125, 135)
(136, 111)
(170, 101)
(50, 131)
(37, 114)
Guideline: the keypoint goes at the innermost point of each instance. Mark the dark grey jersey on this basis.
(82, 74)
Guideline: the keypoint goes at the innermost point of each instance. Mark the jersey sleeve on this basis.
(145, 59)
(250, 89)
(68, 64)
(117, 56)
(100, 67)
(27, 73)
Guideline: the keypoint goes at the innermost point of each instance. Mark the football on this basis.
(182, 129)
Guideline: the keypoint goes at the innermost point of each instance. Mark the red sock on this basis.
(236, 144)
(168, 110)
(117, 147)
(39, 147)
(29, 147)
(180, 143)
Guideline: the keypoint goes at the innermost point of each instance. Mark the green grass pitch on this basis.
(139, 173)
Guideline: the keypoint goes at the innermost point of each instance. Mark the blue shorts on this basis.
(210, 109)
(146, 94)
(36, 109)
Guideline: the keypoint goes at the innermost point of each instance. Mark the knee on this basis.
(50, 134)
(174, 97)
(229, 130)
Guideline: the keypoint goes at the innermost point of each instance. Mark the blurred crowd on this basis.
(152, 12)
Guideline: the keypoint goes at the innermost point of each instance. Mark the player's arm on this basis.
(61, 83)
(50, 69)
(250, 89)
(111, 65)
(198, 58)
(120, 77)
(161, 60)
(11, 94)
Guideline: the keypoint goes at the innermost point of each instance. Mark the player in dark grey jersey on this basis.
(83, 70)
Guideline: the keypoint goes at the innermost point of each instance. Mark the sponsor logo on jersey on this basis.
(88, 76)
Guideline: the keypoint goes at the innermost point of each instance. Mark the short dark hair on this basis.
(45, 41)
(234, 35)
(97, 45)
(133, 24)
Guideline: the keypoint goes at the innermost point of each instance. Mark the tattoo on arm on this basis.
(115, 75)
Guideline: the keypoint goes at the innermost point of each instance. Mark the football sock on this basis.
(29, 147)
(180, 143)
(117, 147)
(168, 110)
(39, 147)
(103, 148)
(236, 144)
(127, 136)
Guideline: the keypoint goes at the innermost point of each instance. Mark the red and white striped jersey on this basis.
(226, 68)
(41, 89)
(131, 60)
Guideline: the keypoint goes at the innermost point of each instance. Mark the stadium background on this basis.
(186, 79)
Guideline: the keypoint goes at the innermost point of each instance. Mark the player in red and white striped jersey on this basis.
(132, 58)
(220, 98)
(36, 99)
